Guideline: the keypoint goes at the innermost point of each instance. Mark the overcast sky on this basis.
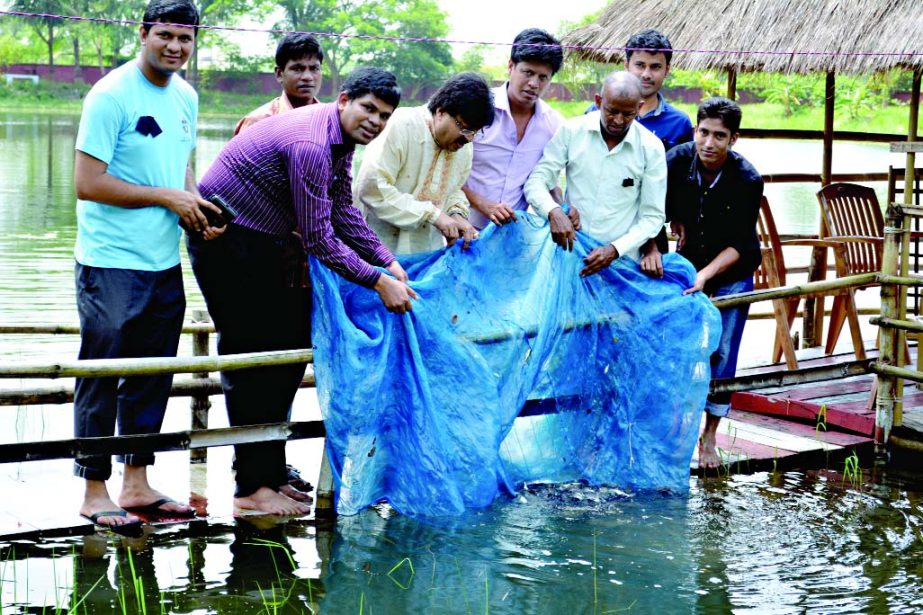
(500, 20)
(489, 21)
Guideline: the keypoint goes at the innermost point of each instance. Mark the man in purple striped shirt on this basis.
(289, 180)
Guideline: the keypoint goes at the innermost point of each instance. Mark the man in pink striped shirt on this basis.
(507, 151)
(289, 179)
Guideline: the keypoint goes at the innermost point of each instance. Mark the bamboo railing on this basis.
(887, 367)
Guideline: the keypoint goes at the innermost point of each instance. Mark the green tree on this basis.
(473, 59)
(224, 13)
(791, 91)
(414, 63)
(44, 27)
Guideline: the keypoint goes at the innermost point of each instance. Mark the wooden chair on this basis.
(851, 217)
(772, 274)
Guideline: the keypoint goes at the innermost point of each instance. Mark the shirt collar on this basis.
(502, 100)
(660, 108)
(594, 126)
(334, 129)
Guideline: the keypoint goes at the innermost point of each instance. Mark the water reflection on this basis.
(781, 543)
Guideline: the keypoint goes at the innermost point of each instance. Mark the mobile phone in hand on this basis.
(227, 214)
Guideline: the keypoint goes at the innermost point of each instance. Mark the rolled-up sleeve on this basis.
(545, 175)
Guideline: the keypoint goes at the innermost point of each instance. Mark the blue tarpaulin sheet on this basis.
(610, 373)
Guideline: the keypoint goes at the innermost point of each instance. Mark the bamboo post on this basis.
(199, 406)
(887, 383)
(732, 84)
(813, 327)
(905, 240)
(325, 498)
(200, 403)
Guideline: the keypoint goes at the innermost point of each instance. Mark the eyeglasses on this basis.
(467, 132)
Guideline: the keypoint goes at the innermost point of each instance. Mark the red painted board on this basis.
(752, 450)
(808, 392)
(849, 419)
(799, 429)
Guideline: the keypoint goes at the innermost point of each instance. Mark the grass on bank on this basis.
(55, 97)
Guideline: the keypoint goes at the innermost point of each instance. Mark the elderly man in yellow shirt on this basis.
(409, 183)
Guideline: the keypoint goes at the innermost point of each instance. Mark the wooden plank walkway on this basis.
(773, 429)
(752, 442)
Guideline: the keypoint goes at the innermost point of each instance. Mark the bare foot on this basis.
(138, 493)
(144, 497)
(708, 452)
(265, 500)
(295, 494)
(96, 500)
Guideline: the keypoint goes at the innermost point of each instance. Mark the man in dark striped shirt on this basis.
(289, 180)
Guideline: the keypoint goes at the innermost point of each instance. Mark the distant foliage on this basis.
(416, 64)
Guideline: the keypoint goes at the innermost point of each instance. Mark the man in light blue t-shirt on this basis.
(134, 187)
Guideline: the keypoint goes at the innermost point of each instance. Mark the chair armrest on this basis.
(810, 243)
(858, 239)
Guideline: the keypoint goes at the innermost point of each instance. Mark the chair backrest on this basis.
(851, 210)
(764, 277)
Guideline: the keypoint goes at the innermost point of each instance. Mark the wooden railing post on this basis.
(199, 406)
(887, 384)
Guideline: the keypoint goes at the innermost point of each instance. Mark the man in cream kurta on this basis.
(409, 183)
(616, 176)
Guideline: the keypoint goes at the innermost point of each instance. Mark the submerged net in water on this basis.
(610, 373)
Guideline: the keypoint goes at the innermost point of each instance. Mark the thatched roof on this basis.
(848, 36)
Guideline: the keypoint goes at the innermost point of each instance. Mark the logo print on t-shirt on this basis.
(148, 126)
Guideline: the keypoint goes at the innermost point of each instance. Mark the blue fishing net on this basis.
(608, 375)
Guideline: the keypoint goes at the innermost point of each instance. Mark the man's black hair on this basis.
(719, 108)
(377, 81)
(295, 46)
(465, 96)
(182, 12)
(650, 41)
(537, 45)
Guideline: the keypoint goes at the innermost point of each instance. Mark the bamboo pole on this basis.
(813, 325)
(75, 329)
(100, 368)
(732, 84)
(906, 325)
(892, 371)
(821, 287)
(156, 442)
(796, 376)
(905, 241)
(65, 394)
(887, 382)
(200, 404)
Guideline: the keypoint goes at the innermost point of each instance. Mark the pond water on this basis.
(814, 542)
(765, 543)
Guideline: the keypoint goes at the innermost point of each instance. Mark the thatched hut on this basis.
(802, 36)
(781, 36)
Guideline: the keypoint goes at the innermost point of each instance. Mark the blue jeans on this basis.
(724, 359)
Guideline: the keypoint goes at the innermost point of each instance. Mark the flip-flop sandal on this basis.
(154, 510)
(132, 529)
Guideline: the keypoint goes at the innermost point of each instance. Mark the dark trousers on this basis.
(124, 313)
(246, 278)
